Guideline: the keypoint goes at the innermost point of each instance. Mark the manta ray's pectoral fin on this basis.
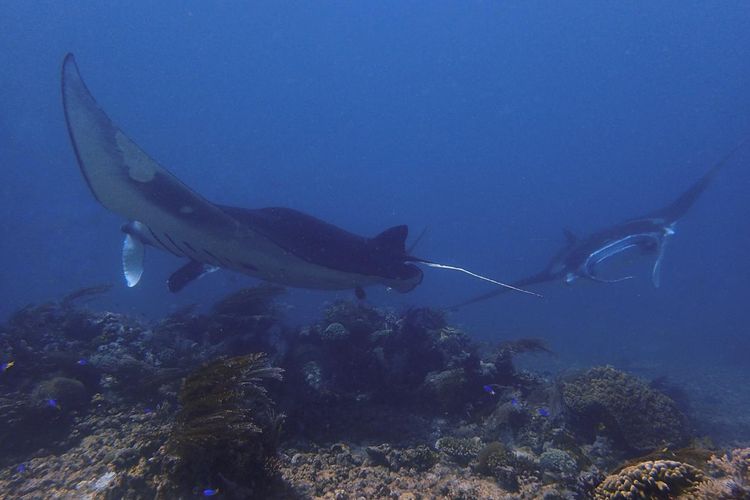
(132, 260)
(122, 176)
(188, 273)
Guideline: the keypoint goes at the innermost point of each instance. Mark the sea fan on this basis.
(227, 431)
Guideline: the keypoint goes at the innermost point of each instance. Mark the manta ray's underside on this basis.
(275, 244)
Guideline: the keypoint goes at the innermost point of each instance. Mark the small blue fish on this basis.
(7, 366)
(543, 412)
(21, 468)
(82, 362)
(52, 403)
(148, 410)
(489, 390)
(209, 492)
(515, 403)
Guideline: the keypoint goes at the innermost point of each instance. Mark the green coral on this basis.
(625, 408)
(226, 430)
(652, 479)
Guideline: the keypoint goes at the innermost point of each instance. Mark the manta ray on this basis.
(650, 233)
(275, 244)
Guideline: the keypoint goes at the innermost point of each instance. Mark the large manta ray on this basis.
(275, 244)
(650, 233)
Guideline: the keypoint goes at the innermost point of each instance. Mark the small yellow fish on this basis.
(7, 366)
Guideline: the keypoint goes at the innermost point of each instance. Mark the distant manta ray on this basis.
(650, 233)
(276, 244)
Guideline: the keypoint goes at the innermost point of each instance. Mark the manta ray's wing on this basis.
(678, 208)
(121, 176)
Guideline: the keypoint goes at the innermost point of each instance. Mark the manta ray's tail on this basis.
(681, 205)
(541, 277)
(505, 286)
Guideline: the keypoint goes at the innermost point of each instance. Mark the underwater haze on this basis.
(492, 124)
(495, 126)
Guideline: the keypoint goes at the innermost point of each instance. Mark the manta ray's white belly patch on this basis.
(140, 167)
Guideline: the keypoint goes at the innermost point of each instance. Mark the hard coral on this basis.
(626, 408)
(730, 476)
(249, 301)
(653, 479)
(462, 450)
(492, 458)
(446, 387)
(334, 332)
(356, 317)
(557, 461)
(61, 392)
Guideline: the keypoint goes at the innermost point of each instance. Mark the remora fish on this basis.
(650, 233)
(275, 244)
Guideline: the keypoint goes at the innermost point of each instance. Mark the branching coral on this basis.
(653, 479)
(730, 476)
(227, 431)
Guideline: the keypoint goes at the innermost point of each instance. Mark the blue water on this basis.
(493, 124)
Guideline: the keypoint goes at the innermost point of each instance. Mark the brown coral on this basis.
(730, 476)
(631, 412)
(652, 479)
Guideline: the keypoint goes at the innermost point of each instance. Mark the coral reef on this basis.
(659, 479)
(420, 458)
(729, 476)
(625, 409)
(60, 393)
(380, 404)
(335, 473)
